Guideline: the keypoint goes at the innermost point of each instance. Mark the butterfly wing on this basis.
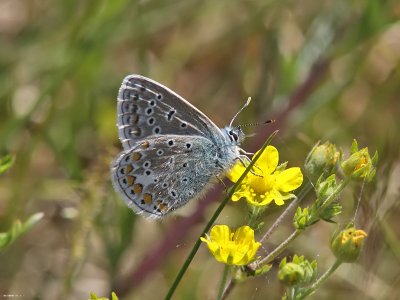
(147, 108)
(161, 173)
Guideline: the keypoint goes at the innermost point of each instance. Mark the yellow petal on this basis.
(240, 258)
(241, 192)
(243, 234)
(275, 195)
(289, 180)
(279, 201)
(268, 160)
(236, 171)
(204, 240)
(220, 234)
(258, 201)
(244, 240)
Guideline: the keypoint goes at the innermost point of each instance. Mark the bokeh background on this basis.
(324, 70)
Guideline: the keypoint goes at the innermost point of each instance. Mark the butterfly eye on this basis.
(233, 135)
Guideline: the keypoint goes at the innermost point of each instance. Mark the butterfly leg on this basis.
(245, 152)
(222, 182)
(245, 164)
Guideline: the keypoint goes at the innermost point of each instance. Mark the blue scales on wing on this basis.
(147, 108)
(162, 173)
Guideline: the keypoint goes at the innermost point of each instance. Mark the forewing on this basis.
(162, 173)
(145, 108)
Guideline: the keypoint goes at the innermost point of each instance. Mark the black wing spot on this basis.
(156, 130)
(170, 114)
(159, 97)
(150, 121)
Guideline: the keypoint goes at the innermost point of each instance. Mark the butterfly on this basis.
(171, 150)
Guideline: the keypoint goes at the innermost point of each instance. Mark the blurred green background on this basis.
(322, 69)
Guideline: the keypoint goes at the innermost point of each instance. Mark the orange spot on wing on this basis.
(136, 156)
(145, 145)
(148, 198)
(137, 188)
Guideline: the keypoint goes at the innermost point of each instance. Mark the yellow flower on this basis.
(232, 248)
(360, 164)
(266, 182)
(347, 244)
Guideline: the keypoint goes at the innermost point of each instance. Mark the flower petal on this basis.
(241, 192)
(243, 234)
(232, 248)
(289, 180)
(220, 234)
(236, 171)
(258, 201)
(268, 160)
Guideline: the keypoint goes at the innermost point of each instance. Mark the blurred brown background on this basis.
(322, 69)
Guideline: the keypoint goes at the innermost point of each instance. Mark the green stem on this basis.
(278, 250)
(223, 282)
(333, 196)
(213, 218)
(254, 212)
(322, 279)
(291, 292)
(295, 202)
(228, 289)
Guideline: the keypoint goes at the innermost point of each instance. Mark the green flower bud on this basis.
(291, 274)
(331, 211)
(298, 272)
(360, 164)
(347, 244)
(326, 188)
(321, 160)
(301, 218)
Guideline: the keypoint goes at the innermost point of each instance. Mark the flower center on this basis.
(362, 162)
(262, 185)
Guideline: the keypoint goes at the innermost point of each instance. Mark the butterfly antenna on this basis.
(243, 107)
(259, 123)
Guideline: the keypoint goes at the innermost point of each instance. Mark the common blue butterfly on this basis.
(172, 151)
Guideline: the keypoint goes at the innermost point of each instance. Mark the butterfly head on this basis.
(235, 134)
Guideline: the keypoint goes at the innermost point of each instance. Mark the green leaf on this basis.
(18, 228)
(6, 162)
(114, 296)
(261, 271)
(354, 147)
